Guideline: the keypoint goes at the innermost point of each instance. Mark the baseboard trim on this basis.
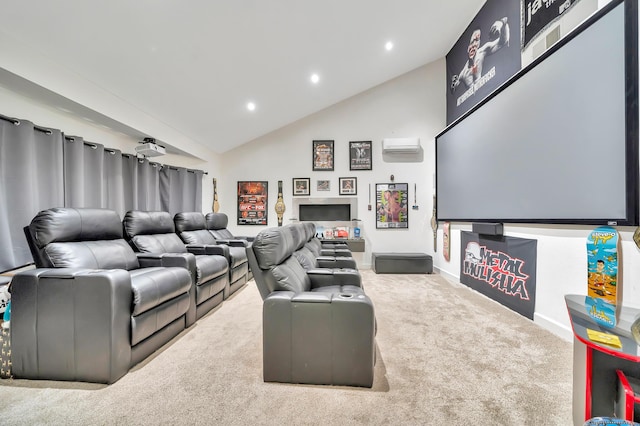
(446, 274)
(560, 330)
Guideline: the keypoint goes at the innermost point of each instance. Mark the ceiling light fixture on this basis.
(251, 106)
(388, 46)
(315, 78)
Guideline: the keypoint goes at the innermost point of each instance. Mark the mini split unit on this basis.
(401, 145)
(149, 148)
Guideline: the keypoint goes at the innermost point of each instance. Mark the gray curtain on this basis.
(83, 173)
(180, 189)
(148, 185)
(31, 170)
(41, 168)
(113, 182)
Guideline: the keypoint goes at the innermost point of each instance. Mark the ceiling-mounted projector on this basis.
(149, 148)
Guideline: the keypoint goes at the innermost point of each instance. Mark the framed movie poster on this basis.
(348, 186)
(252, 202)
(391, 205)
(301, 186)
(360, 155)
(322, 155)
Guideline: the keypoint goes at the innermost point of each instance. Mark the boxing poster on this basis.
(537, 15)
(391, 205)
(252, 202)
(360, 155)
(485, 56)
(502, 268)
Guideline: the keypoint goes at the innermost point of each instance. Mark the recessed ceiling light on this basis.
(251, 106)
(388, 45)
(315, 78)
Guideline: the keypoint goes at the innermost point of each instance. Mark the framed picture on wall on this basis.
(323, 155)
(391, 205)
(323, 185)
(360, 155)
(253, 202)
(348, 186)
(301, 186)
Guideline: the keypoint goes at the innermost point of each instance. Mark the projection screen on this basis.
(555, 144)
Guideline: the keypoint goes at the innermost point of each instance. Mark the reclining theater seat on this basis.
(315, 331)
(217, 224)
(313, 245)
(309, 261)
(153, 234)
(89, 312)
(316, 246)
(191, 228)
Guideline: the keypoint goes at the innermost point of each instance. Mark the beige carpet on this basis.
(446, 356)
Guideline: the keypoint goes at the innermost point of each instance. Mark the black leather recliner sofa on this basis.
(153, 233)
(318, 325)
(92, 309)
(191, 229)
(308, 246)
(318, 247)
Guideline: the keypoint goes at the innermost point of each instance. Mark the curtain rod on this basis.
(92, 145)
(17, 123)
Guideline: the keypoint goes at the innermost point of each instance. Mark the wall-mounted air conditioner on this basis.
(400, 145)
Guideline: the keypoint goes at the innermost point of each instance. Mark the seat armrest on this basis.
(323, 277)
(336, 262)
(335, 252)
(219, 249)
(334, 244)
(184, 260)
(233, 243)
(71, 324)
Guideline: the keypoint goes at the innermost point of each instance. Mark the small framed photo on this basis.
(323, 185)
(360, 155)
(301, 186)
(348, 185)
(322, 155)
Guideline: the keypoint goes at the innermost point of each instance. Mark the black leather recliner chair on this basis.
(153, 233)
(308, 259)
(217, 224)
(317, 247)
(191, 228)
(317, 328)
(92, 309)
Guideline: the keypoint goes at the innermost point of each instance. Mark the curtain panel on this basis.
(31, 170)
(42, 168)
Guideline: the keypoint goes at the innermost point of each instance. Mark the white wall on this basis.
(409, 106)
(412, 105)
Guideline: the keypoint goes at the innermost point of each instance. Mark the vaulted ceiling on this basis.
(185, 71)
